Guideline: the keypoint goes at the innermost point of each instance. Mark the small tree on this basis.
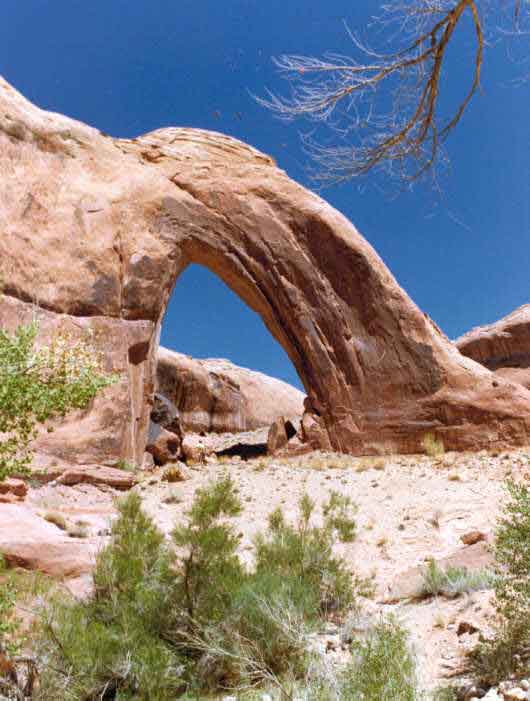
(38, 384)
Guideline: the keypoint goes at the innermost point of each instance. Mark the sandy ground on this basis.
(409, 509)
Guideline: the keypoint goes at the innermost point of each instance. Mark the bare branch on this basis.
(384, 108)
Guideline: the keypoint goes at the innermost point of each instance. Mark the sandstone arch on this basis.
(95, 232)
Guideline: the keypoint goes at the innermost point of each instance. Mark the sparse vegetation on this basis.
(453, 581)
(382, 667)
(163, 620)
(508, 651)
(432, 445)
(125, 465)
(79, 529)
(16, 586)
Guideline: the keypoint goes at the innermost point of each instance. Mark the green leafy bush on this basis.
(304, 553)
(169, 617)
(112, 645)
(382, 667)
(39, 384)
(496, 659)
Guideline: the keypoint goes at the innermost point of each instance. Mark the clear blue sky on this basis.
(130, 66)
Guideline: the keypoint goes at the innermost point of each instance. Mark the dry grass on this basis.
(57, 520)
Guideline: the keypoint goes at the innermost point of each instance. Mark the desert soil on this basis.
(409, 509)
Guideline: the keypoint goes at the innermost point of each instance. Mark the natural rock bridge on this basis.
(95, 232)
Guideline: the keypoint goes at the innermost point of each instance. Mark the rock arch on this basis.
(96, 231)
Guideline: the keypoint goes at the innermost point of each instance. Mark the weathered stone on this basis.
(277, 437)
(13, 487)
(165, 414)
(248, 444)
(193, 448)
(32, 543)
(409, 583)
(148, 462)
(216, 395)
(473, 537)
(96, 231)
(164, 446)
(109, 476)
(503, 347)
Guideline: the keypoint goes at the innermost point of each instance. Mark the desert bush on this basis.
(8, 623)
(39, 384)
(263, 618)
(304, 553)
(433, 446)
(452, 581)
(165, 618)
(210, 570)
(508, 651)
(382, 666)
(112, 645)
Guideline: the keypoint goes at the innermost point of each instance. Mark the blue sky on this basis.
(130, 66)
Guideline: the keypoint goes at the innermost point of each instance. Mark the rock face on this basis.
(215, 395)
(28, 541)
(96, 231)
(503, 347)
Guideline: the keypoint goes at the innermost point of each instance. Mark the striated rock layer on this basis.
(215, 395)
(95, 232)
(503, 347)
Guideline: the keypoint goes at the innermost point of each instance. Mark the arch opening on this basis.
(222, 379)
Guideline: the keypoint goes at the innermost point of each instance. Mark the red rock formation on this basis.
(503, 347)
(95, 232)
(216, 395)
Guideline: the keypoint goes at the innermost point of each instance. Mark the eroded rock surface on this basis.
(28, 541)
(96, 230)
(215, 395)
(503, 347)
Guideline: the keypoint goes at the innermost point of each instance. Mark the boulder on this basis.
(165, 414)
(12, 487)
(503, 347)
(277, 437)
(163, 445)
(216, 395)
(96, 231)
(409, 583)
(28, 541)
(98, 475)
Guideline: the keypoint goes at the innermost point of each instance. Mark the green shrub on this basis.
(496, 659)
(165, 618)
(40, 384)
(303, 553)
(112, 645)
(382, 667)
(210, 570)
(453, 581)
